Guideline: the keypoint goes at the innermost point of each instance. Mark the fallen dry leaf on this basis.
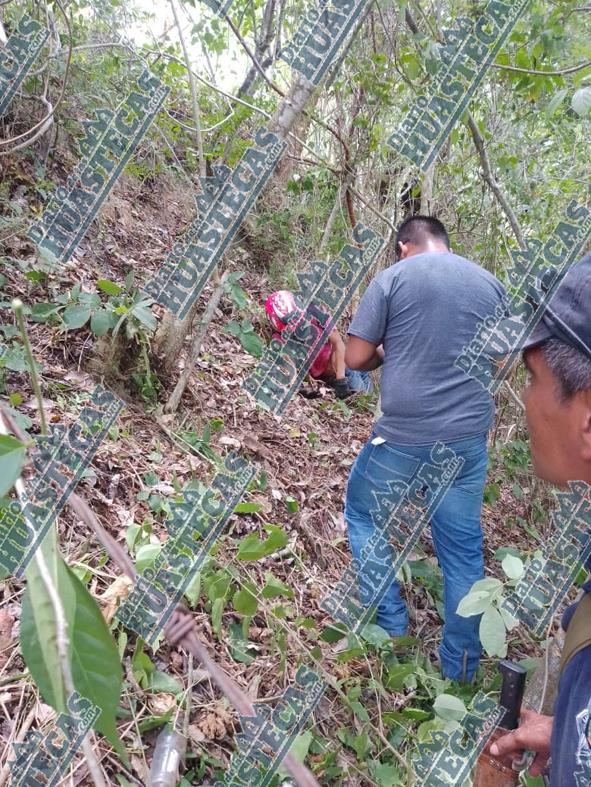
(160, 704)
(117, 592)
(217, 723)
(195, 734)
(6, 624)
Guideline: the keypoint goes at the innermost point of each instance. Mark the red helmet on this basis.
(278, 305)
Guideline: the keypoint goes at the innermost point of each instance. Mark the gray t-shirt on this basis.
(424, 310)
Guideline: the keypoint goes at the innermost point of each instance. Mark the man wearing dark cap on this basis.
(558, 410)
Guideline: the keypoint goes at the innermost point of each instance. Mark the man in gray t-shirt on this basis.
(413, 320)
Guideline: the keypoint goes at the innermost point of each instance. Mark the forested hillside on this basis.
(166, 166)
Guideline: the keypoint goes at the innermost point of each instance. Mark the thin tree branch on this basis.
(492, 182)
(175, 397)
(560, 72)
(193, 87)
(42, 123)
(180, 631)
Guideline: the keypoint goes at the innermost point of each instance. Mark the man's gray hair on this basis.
(571, 367)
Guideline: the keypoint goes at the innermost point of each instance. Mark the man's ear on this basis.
(402, 250)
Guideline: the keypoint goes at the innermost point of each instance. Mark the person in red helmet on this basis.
(329, 365)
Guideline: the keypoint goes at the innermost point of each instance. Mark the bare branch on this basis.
(492, 182)
(193, 87)
(175, 397)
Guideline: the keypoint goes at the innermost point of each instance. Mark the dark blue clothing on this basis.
(571, 731)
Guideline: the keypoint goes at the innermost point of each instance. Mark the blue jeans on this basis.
(359, 381)
(456, 532)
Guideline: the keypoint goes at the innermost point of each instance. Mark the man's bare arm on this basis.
(363, 356)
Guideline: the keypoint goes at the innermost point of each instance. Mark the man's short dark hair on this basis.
(571, 367)
(418, 229)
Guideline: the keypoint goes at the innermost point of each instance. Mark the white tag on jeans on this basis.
(378, 441)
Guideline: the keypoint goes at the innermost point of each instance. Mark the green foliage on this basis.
(485, 598)
(252, 547)
(13, 455)
(245, 333)
(95, 665)
(581, 101)
(123, 307)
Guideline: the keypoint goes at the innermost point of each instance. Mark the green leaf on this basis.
(299, 749)
(254, 548)
(108, 286)
(274, 587)
(38, 624)
(163, 682)
(252, 343)
(418, 714)
(510, 620)
(556, 101)
(76, 316)
(397, 675)
(96, 669)
(385, 774)
(219, 585)
(513, 566)
(150, 723)
(359, 711)
(146, 555)
(292, 505)
(193, 589)
(238, 296)
(102, 321)
(40, 312)
(502, 552)
(143, 313)
(13, 455)
(492, 633)
(489, 584)
(449, 708)
(233, 328)
(333, 634)
(474, 603)
(360, 744)
(247, 508)
(375, 635)
(245, 602)
(142, 665)
(581, 101)
(216, 615)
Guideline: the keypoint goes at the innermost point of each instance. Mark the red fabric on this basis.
(278, 305)
(281, 303)
(321, 361)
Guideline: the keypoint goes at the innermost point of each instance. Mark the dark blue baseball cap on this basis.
(567, 316)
